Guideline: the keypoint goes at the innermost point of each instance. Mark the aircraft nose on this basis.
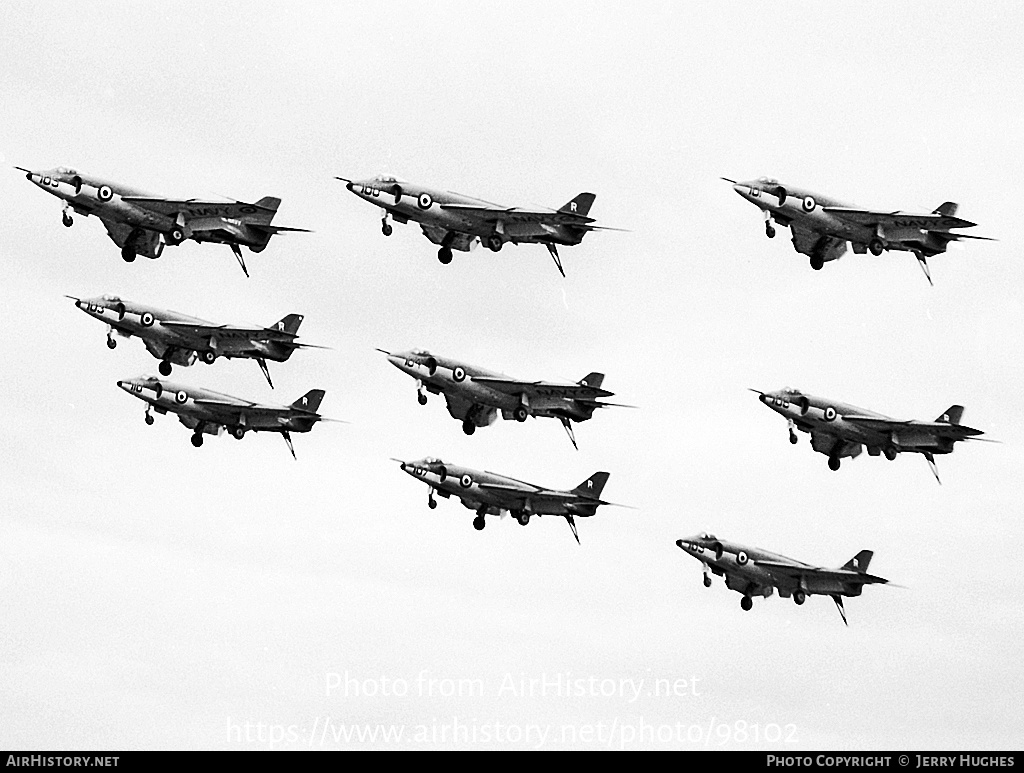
(679, 543)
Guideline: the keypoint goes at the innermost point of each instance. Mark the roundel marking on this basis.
(147, 319)
(741, 558)
(459, 373)
(466, 480)
(830, 413)
(424, 201)
(809, 204)
(247, 210)
(180, 397)
(104, 193)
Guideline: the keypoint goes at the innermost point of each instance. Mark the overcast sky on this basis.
(153, 595)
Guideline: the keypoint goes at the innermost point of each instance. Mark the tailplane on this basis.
(859, 563)
(580, 205)
(593, 486)
(310, 401)
(952, 415)
(947, 209)
(593, 380)
(272, 203)
(289, 324)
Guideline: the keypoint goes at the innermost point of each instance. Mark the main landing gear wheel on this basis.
(478, 523)
(494, 243)
(421, 398)
(444, 255)
(209, 357)
(468, 427)
(111, 343)
(386, 229)
(876, 247)
(799, 597)
(521, 413)
(817, 263)
(128, 253)
(197, 440)
(890, 454)
(176, 236)
(523, 518)
(769, 231)
(833, 463)
(238, 433)
(165, 368)
(707, 581)
(67, 220)
(746, 603)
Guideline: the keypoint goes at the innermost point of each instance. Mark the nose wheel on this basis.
(111, 343)
(421, 397)
(769, 229)
(149, 418)
(386, 227)
(66, 219)
(707, 581)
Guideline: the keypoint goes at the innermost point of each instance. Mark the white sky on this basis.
(156, 596)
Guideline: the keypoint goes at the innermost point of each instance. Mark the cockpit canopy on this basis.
(387, 179)
(421, 352)
(790, 392)
(705, 535)
(767, 181)
(432, 460)
(112, 298)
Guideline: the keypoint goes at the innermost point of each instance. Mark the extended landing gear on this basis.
(478, 523)
(209, 356)
(66, 219)
(746, 603)
(445, 255)
(175, 236)
(523, 518)
(769, 229)
(164, 368)
(494, 243)
(521, 413)
(468, 427)
(421, 398)
(707, 581)
(817, 262)
(799, 597)
(149, 418)
(792, 438)
(833, 463)
(128, 253)
(876, 247)
(197, 440)
(238, 432)
(111, 343)
(890, 453)
(386, 228)
(431, 502)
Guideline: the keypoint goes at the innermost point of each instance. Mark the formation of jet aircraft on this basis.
(475, 396)
(490, 494)
(179, 339)
(756, 572)
(207, 412)
(456, 222)
(143, 224)
(839, 430)
(821, 226)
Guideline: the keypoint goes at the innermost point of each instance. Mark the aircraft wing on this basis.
(148, 244)
(462, 242)
(197, 207)
(493, 214)
(813, 244)
(804, 570)
(940, 428)
(929, 222)
(195, 329)
(542, 388)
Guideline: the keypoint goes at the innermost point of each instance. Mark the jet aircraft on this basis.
(756, 572)
(207, 412)
(490, 494)
(839, 430)
(821, 226)
(142, 224)
(180, 339)
(474, 395)
(457, 222)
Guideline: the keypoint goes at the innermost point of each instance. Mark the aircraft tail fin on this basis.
(288, 324)
(947, 209)
(593, 380)
(593, 486)
(952, 415)
(859, 562)
(580, 205)
(310, 401)
(269, 202)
